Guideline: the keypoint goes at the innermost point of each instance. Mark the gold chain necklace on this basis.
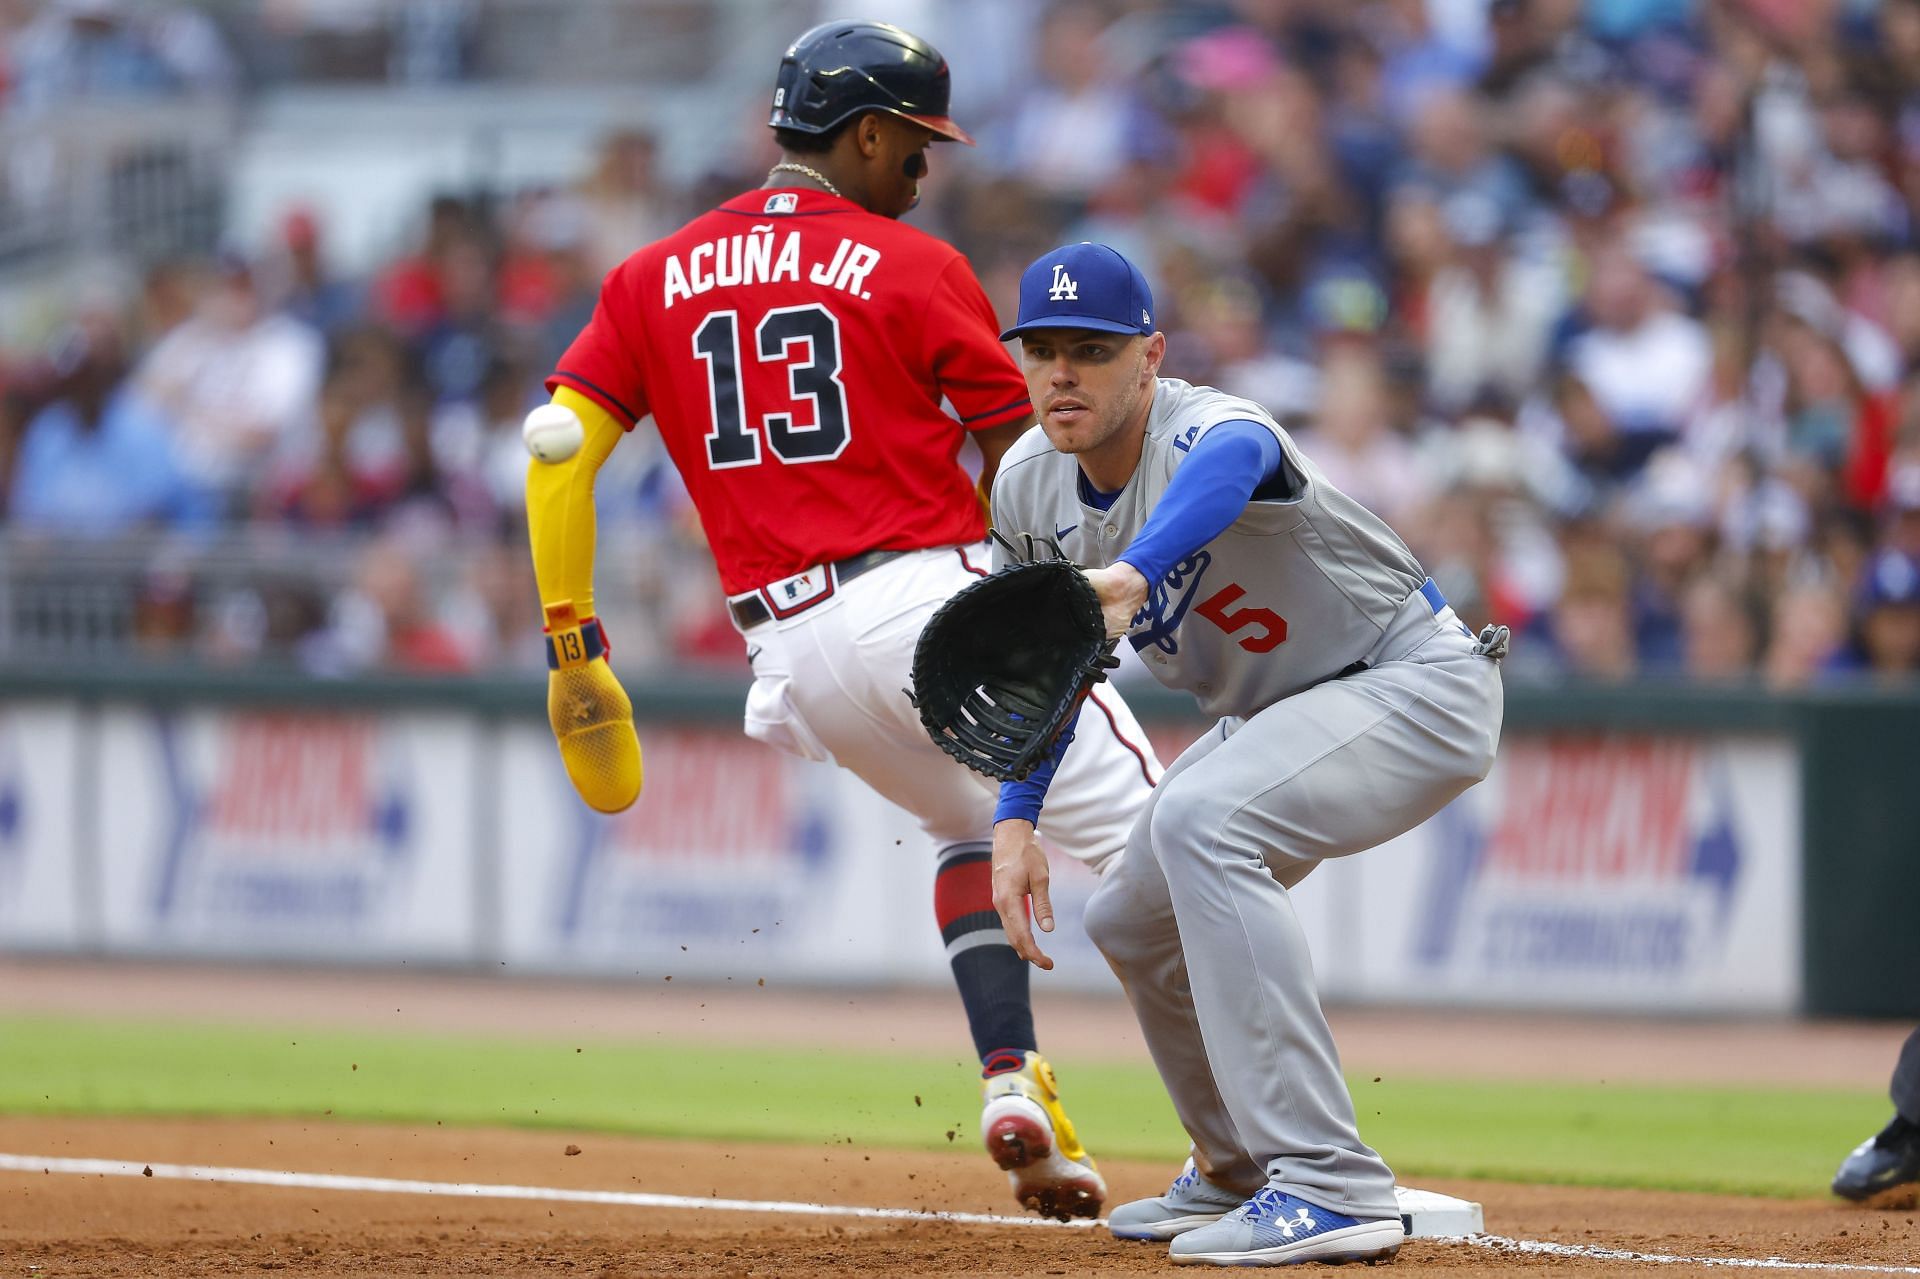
(787, 166)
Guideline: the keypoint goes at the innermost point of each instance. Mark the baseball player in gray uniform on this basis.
(1353, 705)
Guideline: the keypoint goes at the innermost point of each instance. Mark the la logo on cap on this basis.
(1063, 285)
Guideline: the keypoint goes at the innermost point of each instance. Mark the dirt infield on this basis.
(62, 1224)
(66, 1225)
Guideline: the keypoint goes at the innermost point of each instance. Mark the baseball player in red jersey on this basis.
(797, 348)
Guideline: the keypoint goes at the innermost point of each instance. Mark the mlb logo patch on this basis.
(784, 202)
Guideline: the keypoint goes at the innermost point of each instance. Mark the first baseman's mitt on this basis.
(1003, 666)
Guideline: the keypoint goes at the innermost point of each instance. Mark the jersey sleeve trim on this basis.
(603, 398)
(992, 417)
(1261, 420)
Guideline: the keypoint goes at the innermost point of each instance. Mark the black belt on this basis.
(751, 610)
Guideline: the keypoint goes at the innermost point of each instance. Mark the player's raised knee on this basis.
(1185, 820)
(1109, 920)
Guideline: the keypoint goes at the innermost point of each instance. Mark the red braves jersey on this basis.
(794, 351)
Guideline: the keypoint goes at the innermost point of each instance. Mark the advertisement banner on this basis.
(737, 862)
(281, 833)
(39, 877)
(1629, 872)
(1592, 871)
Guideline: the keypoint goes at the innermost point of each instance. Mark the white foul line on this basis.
(636, 1199)
(1538, 1247)
(487, 1190)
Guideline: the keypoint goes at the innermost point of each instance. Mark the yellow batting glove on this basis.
(592, 716)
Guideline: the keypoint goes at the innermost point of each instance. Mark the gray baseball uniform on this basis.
(1354, 705)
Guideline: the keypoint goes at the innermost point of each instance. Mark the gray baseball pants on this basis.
(1197, 923)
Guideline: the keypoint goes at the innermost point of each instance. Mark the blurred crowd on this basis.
(1612, 307)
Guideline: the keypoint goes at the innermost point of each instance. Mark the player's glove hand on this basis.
(1002, 667)
(592, 716)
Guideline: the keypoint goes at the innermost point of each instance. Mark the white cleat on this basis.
(1028, 1134)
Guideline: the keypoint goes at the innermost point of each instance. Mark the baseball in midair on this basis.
(553, 432)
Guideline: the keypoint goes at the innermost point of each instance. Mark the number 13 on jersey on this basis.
(807, 340)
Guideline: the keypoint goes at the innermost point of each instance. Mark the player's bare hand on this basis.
(1020, 872)
(1123, 593)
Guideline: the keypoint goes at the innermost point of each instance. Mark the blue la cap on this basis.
(1083, 286)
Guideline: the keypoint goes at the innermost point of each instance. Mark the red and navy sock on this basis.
(991, 977)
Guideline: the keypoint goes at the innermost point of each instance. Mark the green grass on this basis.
(1743, 1141)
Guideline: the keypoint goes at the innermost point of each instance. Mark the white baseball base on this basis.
(1428, 1214)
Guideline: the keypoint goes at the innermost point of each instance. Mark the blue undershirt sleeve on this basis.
(1023, 799)
(1206, 495)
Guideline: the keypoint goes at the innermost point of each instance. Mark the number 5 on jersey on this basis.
(1273, 627)
(815, 377)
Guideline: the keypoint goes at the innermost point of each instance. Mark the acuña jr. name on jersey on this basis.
(731, 261)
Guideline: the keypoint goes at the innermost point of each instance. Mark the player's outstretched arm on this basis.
(591, 715)
(1019, 872)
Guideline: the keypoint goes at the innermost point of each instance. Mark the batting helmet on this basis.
(840, 69)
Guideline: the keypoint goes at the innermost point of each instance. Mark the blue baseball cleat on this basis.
(1275, 1229)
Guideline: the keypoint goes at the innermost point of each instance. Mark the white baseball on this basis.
(553, 432)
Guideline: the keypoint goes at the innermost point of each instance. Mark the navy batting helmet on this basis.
(840, 69)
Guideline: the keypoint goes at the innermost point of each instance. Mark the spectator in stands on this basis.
(385, 620)
(408, 294)
(495, 610)
(1670, 522)
(1353, 441)
(332, 488)
(429, 502)
(1527, 208)
(1426, 71)
(1452, 155)
(104, 50)
(170, 293)
(1808, 635)
(455, 349)
(1645, 364)
(625, 203)
(1599, 452)
(1719, 632)
(434, 41)
(98, 461)
(1902, 531)
(238, 381)
(1519, 43)
(305, 288)
(1490, 311)
(1590, 630)
(482, 445)
(1889, 617)
(1228, 330)
(1076, 121)
(1839, 433)
(557, 232)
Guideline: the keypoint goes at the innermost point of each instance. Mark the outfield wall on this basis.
(1649, 859)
